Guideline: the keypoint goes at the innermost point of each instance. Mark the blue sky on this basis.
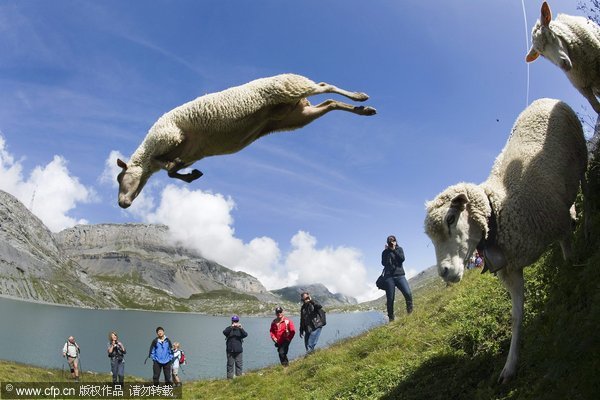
(83, 81)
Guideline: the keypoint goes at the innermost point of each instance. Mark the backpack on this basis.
(181, 357)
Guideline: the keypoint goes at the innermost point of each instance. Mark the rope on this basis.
(526, 50)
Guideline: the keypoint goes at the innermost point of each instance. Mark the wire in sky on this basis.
(526, 50)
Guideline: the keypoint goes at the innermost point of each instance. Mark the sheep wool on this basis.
(528, 194)
(573, 44)
(224, 123)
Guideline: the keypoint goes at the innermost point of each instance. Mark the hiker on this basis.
(161, 353)
(116, 352)
(72, 351)
(311, 321)
(234, 337)
(282, 333)
(392, 258)
(178, 359)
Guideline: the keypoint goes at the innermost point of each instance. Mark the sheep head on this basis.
(131, 182)
(456, 221)
(546, 42)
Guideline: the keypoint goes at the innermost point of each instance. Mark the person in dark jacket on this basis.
(161, 353)
(311, 322)
(234, 335)
(116, 353)
(392, 259)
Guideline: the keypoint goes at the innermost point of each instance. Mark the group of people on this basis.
(167, 356)
(312, 320)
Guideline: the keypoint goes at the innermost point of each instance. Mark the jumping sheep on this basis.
(572, 44)
(519, 210)
(224, 123)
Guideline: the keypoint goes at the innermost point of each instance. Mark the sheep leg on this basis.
(588, 93)
(174, 166)
(327, 88)
(514, 283)
(304, 113)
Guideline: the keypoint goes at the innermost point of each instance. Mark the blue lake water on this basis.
(35, 334)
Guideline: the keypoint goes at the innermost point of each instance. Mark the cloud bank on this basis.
(50, 191)
(203, 221)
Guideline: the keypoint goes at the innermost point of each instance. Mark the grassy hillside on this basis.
(455, 343)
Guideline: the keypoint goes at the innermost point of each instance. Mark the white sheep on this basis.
(572, 44)
(224, 123)
(519, 210)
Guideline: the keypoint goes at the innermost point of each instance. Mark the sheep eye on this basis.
(450, 220)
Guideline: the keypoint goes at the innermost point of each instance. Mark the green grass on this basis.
(16, 372)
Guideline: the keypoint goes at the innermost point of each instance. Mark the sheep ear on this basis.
(546, 14)
(121, 163)
(532, 55)
(459, 202)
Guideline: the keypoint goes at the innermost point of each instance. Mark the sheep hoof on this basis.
(361, 110)
(361, 96)
(195, 174)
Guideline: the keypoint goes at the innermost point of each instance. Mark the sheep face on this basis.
(130, 183)
(454, 232)
(547, 43)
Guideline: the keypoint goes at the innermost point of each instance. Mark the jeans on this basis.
(311, 339)
(237, 360)
(117, 367)
(166, 368)
(282, 350)
(400, 282)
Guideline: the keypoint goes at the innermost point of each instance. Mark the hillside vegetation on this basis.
(455, 343)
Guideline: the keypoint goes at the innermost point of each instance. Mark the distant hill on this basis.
(116, 266)
(318, 292)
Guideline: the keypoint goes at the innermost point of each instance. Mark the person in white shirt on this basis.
(175, 367)
(71, 352)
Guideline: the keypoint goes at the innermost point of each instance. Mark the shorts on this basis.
(175, 371)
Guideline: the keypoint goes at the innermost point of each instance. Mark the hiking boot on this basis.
(409, 309)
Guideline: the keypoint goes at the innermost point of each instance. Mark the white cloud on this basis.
(50, 192)
(203, 221)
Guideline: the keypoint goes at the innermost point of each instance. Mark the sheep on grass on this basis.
(519, 210)
(224, 123)
(573, 45)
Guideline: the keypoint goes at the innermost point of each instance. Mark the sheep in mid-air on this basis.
(572, 44)
(519, 210)
(224, 123)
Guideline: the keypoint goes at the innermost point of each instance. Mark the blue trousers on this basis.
(400, 282)
(311, 339)
(117, 367)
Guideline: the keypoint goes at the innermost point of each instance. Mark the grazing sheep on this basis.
(519, 210)
(224, 123)
(572, 44)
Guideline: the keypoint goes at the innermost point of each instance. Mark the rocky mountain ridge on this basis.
(121, 266)
(318, 292)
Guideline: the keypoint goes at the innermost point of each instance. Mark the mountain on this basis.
(32, 266)
(317, 291)
(116, 266)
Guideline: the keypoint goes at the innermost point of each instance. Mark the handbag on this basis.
(380, 282)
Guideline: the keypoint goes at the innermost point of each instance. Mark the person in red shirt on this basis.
(282, 333)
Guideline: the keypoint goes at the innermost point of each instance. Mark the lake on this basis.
(36, 333)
